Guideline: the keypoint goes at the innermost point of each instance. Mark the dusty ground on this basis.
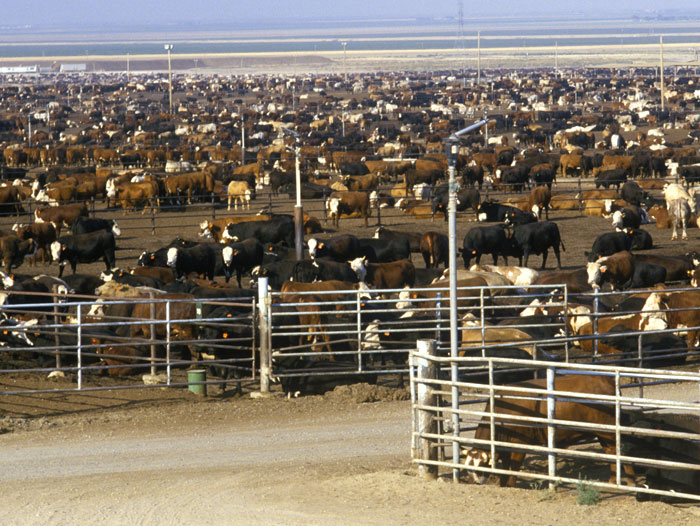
(317, 460)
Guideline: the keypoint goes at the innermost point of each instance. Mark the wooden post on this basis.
(551, 404)
(426, 370)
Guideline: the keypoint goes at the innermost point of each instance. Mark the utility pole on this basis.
(661, 70)
(128, 68)
(169, 48)
(345, 65)
(242, 138)
(452, 154)
(478, 57)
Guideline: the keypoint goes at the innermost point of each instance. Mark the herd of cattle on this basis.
(372, 145)
(78, 148)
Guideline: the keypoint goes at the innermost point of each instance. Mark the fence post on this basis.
(92, 205)
(152, 314)
(426, 370)
(213, 207)
(358, 328)
(265, 326)
(618, 435)
(153, 220)
(80, 348)
(596, 306)
(29, 211)
(379, 212)
(551, 403)
(56, 337)
(167, 340)
(580, 197)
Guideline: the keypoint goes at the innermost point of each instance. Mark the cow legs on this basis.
(629, 476)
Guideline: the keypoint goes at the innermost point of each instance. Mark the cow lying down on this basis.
(525, 404)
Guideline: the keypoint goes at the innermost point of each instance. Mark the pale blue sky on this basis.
(82, 13)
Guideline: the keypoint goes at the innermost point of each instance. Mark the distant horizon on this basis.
(45, 15)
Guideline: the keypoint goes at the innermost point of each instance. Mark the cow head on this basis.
(477, 458)
(653, 314)
(595, 271)
(115, 229)
(358, 266)
(56, 249)
(205, 229)
(618, 220)
(172, 256)
(537, 211)
(314, 246)
(227, 254)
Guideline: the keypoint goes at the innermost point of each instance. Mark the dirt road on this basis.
(317, 460)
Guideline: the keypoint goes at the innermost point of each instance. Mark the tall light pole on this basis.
(345, 56)
(298, 210)
(452, 153)
(169, 48)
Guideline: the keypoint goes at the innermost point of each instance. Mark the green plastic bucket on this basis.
(195, 381)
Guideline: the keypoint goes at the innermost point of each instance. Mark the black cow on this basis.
(353, 168)
(490, 211)
(387, 234)
(537, 238)
(309, 270)
(120, 276)
(200, 259)
(85, 225)
(628, 217)
(277, 252)
(384, 251)
(633, 193)
(543, 176)
(485, 240)
(641, 239)
(342, 248)
(466, 198)
(515, 178)
(610, 178)
(83, 283)
(84, 248)
(473, 175)
(277, 229)
(608, 243)
(241, 257)
(691, 174)
(646, 275)
(518, 217)
(159, 258)
(276, 272)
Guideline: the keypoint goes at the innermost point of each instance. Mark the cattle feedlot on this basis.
(136, 375)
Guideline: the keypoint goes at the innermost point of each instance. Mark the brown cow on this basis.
(524, 404)
(361, 182)
(347, 203)
(179, 310)
(43, 234)
(569, 161)
(14, 250)
(617, 270)
(434, 249)
(393, 275)
(60, 216)
(132, 195)
(120, 360)
(164, 274)
(539, 200)
(10, 200)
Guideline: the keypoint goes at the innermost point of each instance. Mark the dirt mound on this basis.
(363, 393)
